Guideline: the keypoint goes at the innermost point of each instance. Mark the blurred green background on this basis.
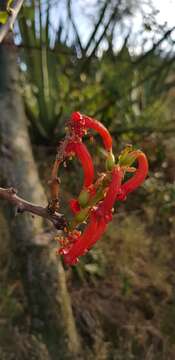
(113, 60)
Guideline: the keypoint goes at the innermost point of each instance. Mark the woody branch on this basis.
(22, 205)
(14, 10)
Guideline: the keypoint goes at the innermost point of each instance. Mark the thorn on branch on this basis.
(22, 206)
(12, 191)
(19, 209)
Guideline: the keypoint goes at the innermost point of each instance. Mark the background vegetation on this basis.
(119, 299)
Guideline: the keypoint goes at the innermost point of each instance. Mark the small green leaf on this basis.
(82, 215)
(127, 157)
(3, 17)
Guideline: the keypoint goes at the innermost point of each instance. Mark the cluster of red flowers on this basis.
(94, 205)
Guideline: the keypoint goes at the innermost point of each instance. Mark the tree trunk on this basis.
(29, 243)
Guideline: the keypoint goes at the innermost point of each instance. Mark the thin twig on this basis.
(14, 10)
(141, 58)
(22, 206)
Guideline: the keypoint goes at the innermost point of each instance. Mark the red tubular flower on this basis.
(99, 219)
(100, 128)
(80, 247)
(83, 155)
(86, 122)
(114, 188)
(138, 178)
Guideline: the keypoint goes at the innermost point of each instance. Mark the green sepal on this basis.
(127, 157)
(82, 215)
(110, 162)
(83, 198)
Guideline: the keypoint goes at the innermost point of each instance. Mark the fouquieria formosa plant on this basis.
(94, 205)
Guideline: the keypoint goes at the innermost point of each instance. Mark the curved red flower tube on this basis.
(89, 123)
(82, 153)
(139, 176)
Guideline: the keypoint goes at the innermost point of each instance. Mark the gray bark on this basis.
(34, 259)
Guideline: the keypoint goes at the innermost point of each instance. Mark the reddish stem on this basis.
(54, 188)
(113, 189)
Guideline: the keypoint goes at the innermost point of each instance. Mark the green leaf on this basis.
(127, 158)
(3, 17)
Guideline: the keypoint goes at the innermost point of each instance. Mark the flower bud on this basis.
(110, 162)
(82, 215)
(83, 198)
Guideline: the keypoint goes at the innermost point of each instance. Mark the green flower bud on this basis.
(110, 162)
(82, 215)
(83, 198)
(126, 159)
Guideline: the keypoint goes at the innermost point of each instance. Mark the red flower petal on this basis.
(85, 158)
(74, 205)
(92, 233)
(113, 189)
(91, 123)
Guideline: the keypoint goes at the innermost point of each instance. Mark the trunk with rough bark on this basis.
(41, 274)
